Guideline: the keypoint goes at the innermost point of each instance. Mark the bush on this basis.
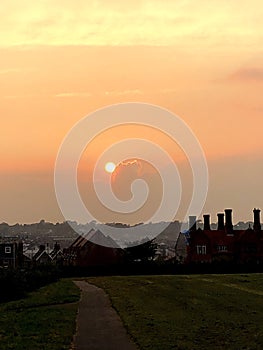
(15, 284)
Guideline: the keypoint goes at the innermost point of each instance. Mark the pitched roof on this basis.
(55, 253)
(41, 254)
(96, 237)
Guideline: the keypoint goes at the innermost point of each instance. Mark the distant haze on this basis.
(61, 60)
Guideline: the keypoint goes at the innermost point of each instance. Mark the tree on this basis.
(143, 252)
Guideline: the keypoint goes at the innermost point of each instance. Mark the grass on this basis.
(190, 312)
(43, 320)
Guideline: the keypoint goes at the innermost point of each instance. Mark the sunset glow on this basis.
(61, 60)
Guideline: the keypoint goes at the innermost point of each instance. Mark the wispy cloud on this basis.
(22, 96)
(76, 94)
(15, 70)
(73, 94)
(248, 74)
(137, 22)
(10, 97)
(168, 91)
(124, 92)
(9, 70)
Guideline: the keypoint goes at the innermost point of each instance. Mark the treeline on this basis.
(15, 284)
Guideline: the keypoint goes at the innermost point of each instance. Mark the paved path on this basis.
(98, 325)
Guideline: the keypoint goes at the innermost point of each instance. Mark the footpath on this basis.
(99, 327)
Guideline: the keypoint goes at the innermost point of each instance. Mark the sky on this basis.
(61, 60)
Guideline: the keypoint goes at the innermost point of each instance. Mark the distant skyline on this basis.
(61, 60)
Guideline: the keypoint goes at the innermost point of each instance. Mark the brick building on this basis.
(224, 244)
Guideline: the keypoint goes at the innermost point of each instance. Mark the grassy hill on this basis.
(45, 320)
(160, 312)
(190, 312)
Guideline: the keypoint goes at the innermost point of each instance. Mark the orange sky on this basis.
(60, 60)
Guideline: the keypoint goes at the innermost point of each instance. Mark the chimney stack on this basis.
(229, 225)
(257, 224)
(221, 221)
(56, 247)
(207, 222)
(192, 223)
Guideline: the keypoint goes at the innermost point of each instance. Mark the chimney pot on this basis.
(192, 223)
(207, 222)
(42, 247)
(257, 224)
(221, 221)
(229, 225)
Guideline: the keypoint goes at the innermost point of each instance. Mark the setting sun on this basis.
(110, 167)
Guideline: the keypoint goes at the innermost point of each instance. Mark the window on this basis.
(7, 250)
(222, 248)
(201, 249)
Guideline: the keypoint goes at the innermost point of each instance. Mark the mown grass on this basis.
(44, 320)
(190, 312)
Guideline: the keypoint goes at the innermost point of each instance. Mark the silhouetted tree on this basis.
(141, 253)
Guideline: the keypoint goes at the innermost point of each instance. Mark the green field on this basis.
(160, 312)
(45, 320)
(190, 312)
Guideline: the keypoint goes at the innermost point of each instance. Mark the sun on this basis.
(110, 167)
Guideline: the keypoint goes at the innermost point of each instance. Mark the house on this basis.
(249, 243)
(56, 254)
(42, 257)
(181, 247)
(92, 249)
(225, 244)
(11, 254)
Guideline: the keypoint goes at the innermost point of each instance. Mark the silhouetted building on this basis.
(42, 257)
(57, 255)
(84, 252)
(11, 254)
(225, 244)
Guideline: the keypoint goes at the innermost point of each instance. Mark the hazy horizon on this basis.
(60, 61)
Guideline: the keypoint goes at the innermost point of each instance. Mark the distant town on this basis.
(45, 242)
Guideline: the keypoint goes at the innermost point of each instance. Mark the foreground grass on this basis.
(43, 320)
(190, 312)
